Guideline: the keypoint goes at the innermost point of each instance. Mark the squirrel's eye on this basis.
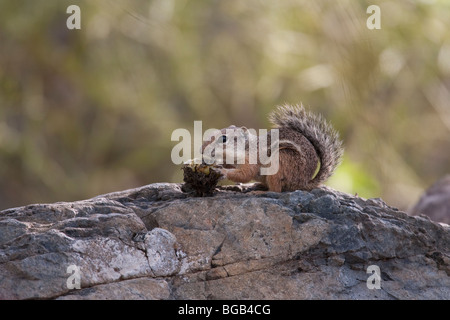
(223, 139)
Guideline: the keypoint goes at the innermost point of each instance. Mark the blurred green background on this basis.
(91, 111)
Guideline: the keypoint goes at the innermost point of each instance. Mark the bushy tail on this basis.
(318, 131)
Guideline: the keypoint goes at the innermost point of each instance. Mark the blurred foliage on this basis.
(90, 111)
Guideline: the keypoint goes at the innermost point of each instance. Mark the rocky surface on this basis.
(435, 202)
(156, 242)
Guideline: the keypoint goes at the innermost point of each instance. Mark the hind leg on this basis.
(274, 183)
(290, 175)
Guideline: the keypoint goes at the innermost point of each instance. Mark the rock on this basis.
(161, 249)
(136, 289)
(435, 202)
(156, 242)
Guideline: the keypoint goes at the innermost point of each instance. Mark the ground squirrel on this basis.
(305, 140)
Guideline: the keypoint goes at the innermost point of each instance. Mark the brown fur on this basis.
(305, 140)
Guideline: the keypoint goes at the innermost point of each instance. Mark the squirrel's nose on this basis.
(208, 160)
(213, 152)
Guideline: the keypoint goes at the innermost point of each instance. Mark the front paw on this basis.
(224, 172)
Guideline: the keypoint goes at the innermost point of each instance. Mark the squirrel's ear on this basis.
(243, 133)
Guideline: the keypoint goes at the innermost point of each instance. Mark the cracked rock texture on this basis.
(156, 242)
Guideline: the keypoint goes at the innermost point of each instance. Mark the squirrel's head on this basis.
(228, 146)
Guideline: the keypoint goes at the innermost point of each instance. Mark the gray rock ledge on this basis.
(156, 242)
